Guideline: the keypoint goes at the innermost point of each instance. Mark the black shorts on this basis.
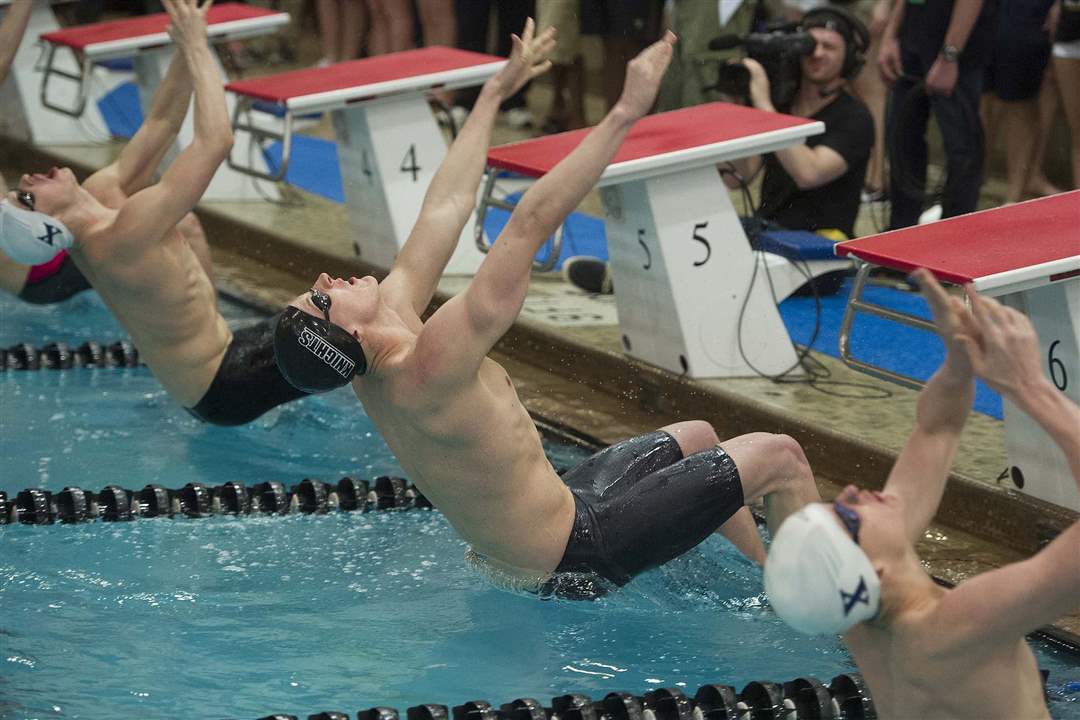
(628, 19)
(58, 285)
(640, 503)
(1021, 51)
(248, 382)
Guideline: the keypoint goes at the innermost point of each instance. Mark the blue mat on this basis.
(121, 110)
(314, 168)
(878, 341)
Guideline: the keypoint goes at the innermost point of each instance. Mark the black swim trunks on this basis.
(53, 281)
(640, 503)
(248, 383)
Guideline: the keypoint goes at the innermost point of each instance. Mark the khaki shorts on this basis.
(565, 16)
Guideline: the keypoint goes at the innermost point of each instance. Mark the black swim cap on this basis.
(314, 354)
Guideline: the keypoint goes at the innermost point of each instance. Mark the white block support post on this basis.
(682, 270)
(1037, 466)
(389, 150)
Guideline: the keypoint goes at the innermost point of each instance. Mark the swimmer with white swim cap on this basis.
(453, 418)
(851, 567)
(145, 253)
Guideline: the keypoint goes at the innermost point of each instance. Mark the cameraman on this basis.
(816, 186)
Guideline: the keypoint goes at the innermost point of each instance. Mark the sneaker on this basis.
(590, 274)
(930, 215)
(518, 118)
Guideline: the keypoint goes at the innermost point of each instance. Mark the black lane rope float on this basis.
(845, 698)
(34, 506)
(61, 356)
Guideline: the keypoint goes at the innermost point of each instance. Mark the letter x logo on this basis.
(50, 233)
(861, 595)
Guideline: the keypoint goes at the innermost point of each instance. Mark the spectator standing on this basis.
(342, 25)
(1014, 78)
(933, 54)
(567, 110)
(1067, 69)
(473, 35)
(626, 27)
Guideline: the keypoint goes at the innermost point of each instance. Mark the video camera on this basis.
(778, 50)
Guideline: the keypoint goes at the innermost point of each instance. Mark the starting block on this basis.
(691, 294)
(389, 145)
(145, 40)
(24, 115)
(1028, 256)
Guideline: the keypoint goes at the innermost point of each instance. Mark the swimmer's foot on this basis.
(590, 274)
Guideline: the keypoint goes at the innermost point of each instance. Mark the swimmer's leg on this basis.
(773, 467)
(740, 529)
(193, 232)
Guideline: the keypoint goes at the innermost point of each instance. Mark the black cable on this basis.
(817, 375)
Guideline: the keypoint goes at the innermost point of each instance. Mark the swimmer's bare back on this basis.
(450, 413)
(127, 243)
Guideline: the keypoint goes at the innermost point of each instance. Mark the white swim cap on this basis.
(818, 580)
(31, 237)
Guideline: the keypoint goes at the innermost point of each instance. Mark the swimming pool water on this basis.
(241, 617)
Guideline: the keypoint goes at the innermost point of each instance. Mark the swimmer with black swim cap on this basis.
(452, 415)
(314, 354)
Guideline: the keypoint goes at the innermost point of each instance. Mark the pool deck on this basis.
(573, 372)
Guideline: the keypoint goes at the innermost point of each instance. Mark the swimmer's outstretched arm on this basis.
(921, 470)
(462, 331)
(138, 161)
(12, 30)
(1003, 605)
(151, 212)
(451, 196)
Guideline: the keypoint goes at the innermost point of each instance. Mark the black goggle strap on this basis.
(26, 198)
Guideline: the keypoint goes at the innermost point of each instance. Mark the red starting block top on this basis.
(1031, 243)
(413, 70)
(668, 141)
(221, 19)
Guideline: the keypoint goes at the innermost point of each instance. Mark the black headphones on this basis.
(856, 36)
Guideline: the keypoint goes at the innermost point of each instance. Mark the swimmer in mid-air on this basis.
(452, 417)
(851, 567)
(140, 247)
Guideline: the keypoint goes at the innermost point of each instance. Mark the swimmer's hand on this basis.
(1003, 346)
(187, 25)
(527, 60)
(952, 319)
(643, 75)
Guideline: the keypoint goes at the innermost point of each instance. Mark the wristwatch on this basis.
(950, 53)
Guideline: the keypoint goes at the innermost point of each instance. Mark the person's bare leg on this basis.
(870, 88)
(740, 529)
(1038, 184)
(575, 90)
(400, 24)
(990, 115)
(1067, 71)
(775, 468)
(439, 27)
(329, 22)
(1018, 118)
(353, 29)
